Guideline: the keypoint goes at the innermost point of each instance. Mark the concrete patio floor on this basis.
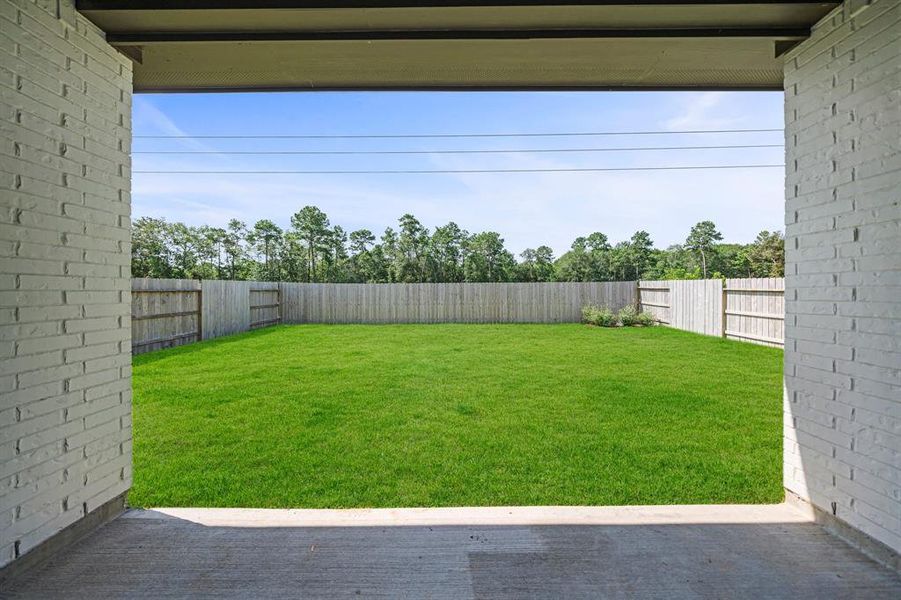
(731, 551)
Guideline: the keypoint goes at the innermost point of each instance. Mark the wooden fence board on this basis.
(696, 305)
(754, 309)
(654, 298)
(226, 307)
(265, 304)
(448, 302)
(164, 313)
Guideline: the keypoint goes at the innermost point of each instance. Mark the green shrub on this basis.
(602, 316)
(606, 318)
(588, 314)
(646, 319)
(628, 316)
(598, 315)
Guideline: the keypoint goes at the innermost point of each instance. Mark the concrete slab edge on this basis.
(480, 516)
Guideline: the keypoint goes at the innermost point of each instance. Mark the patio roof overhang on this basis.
(221, 45)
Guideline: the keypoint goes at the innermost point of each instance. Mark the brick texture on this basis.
(65, 384)
(843, 272)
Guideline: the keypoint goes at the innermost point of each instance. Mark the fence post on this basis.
(200, 313)
(723, 308)
(638, 306)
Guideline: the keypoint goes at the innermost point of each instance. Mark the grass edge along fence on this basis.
(174, 312)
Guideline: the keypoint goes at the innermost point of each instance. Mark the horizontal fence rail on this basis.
(265, 305)
(165, 313)
(754, 310)
(174, 312)
(748, 310)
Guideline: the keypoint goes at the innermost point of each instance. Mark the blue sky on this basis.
(527, 209)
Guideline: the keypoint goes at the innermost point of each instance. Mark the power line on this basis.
(491, 151)
(447, 135)
(462, 171)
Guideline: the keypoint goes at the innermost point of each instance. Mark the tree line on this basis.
(314, 250)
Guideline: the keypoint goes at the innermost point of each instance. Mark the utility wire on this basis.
(446, 135)
(491, 151)
(461, 171)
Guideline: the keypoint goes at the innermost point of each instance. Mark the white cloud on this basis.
(706, 110)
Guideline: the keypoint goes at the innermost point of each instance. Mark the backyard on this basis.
(457, 415)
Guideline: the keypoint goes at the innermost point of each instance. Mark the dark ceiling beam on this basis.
(119, 5)
(777, 33)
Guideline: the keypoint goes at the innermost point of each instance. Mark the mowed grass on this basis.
(457, 415)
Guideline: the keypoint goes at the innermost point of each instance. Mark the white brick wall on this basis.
(843, 271)
(65, 350)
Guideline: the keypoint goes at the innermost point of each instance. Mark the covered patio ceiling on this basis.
(220, 45)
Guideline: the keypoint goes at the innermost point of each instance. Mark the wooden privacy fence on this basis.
(556, 302)
(750, 310)
(265, 304)
(754, 310)
(173, 312)
(165, 313)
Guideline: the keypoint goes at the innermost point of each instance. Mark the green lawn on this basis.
(451, 415)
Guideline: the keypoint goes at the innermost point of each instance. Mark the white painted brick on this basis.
(118, 309)
(19, 429)
(32, 362)
(94, 379)
(64, 228)
(50, 282)
(106, 446)
(874, 463)
(116, 487)
(87, 242)
(45, 375)
(47, 436)
(46, 344)
(110, 335)
(107, 362)
(84, 352)
(82, 268)
(881, 326)
(32, 266)
(97, 257)
(83, 409)
(55, 401)
(80, 438)
(55, 314)
(30, 330)
(31, 298)
(28, 542)
(886, 418)
(92, 297)
(27, 396)
(843, 234)
(121, 385)
(95, 324)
